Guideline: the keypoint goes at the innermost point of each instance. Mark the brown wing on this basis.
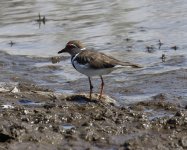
(99, 60)
(94, 59)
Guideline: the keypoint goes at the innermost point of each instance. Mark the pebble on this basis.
(15, 90)
(183, 141)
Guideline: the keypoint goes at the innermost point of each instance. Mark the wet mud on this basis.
(33, 117)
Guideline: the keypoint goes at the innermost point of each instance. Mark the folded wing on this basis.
(99, 60)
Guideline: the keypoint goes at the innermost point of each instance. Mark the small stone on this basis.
(2, 89)
(172, 121)
(7, 106)
(25, 112)
(180, 114)
(15, 90)
(183, 141)
(25, 119)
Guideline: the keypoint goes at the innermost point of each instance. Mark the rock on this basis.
(15, 90)
(183, 141)
(2, 90)
(8, 87)
(180, 114)
(7, 106)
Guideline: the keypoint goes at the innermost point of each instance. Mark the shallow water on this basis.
(120, 28)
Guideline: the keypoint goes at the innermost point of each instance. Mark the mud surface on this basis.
(33, 117)
(36, 116)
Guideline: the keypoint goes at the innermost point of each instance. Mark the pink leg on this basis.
(102, 86)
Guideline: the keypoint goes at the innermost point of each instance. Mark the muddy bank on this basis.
(36, 118)
(34, 115)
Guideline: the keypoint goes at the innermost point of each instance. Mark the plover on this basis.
(92, 63)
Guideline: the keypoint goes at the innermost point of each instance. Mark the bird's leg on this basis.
(91, 87)
(102, 85)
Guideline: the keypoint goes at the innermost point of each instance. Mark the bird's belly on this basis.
(92, 71)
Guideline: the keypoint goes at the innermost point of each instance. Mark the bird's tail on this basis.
(130, 64)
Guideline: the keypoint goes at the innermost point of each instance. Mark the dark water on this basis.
(120, 28)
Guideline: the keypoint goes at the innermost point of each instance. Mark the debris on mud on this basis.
(42, 119)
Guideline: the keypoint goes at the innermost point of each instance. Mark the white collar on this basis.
(83, 48)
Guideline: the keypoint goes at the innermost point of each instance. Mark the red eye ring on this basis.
(71, 45)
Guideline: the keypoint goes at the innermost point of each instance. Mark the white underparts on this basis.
(88, 71)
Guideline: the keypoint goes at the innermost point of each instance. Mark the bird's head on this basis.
(71, 46)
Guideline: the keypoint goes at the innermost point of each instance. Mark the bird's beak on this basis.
(61, 51)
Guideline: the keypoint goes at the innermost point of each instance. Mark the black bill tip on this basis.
(60, 51)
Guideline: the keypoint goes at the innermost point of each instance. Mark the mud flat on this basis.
(33, 117)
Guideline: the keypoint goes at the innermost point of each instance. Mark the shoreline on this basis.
(37, 117)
